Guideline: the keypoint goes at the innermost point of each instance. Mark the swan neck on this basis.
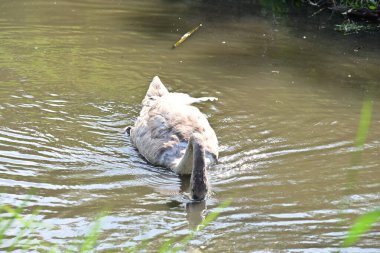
(199, 180)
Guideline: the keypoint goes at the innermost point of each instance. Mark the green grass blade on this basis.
(365, 121)
(361, 226)
(136, 248)
(27, 224)
(91, 238)
(361, 137)
(166, 246)
(213, 215)
(20, 235)
(27, 245)
(53, 249)
(15, 214)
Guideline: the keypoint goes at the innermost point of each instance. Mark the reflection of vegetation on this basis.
(370, 4)
(349, 27)
(358, 10)
(363, 10)
(239, 8)
(367, 10)
(12, 220)
(365, 221)
(280, 6)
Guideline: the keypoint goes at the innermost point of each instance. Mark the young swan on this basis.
(172, 133)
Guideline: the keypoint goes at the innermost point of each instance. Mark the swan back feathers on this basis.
(166, 123)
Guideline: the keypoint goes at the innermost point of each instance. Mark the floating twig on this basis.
(317, 12)
(185, 36)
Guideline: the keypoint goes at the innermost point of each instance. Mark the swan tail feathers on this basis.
(156, 88)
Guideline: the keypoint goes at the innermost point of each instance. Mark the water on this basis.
(72, 76)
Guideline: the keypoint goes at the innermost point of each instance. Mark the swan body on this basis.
(172, 133)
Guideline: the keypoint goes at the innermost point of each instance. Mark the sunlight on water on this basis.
(72, 76)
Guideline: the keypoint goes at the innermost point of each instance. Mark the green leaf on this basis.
(372, 7)
(361, 226)
(15, 215)
(91, 238)
(166, 246)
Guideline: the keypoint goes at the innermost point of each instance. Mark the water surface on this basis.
(290, 89)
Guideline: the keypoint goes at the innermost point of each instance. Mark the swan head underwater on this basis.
(172, 133)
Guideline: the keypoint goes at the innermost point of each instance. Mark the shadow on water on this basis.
(219, 9)
(185, 183)
(181, 16)
(188, 13)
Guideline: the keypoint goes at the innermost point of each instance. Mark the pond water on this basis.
(290, 89)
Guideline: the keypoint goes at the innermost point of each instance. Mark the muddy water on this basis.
(72, 75)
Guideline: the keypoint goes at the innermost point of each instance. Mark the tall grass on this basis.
(15, 222)
(13, 219)
(361, 226)
(364, 222)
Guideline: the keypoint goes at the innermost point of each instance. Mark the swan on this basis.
(171, 133)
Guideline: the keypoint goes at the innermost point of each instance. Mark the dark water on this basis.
(73, 74)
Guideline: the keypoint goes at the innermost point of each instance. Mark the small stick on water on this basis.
(317, 12)
(185, 36)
